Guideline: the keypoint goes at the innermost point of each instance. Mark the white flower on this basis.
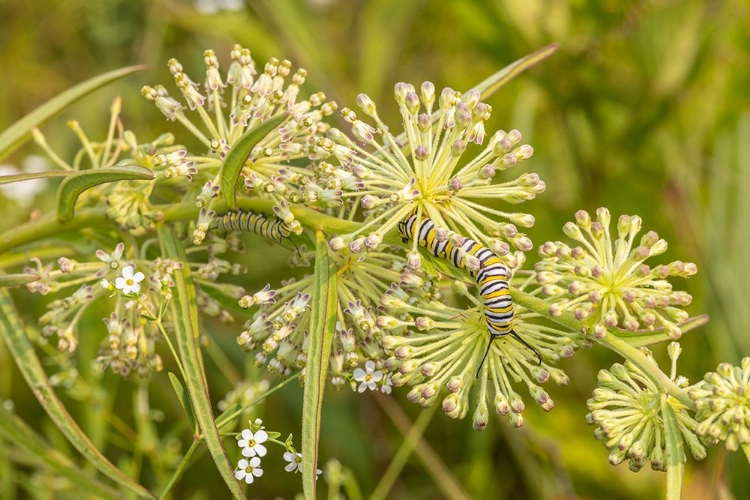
(369, 378)
(295, 463)
(248, 470)
(112, 260)
(385, 386)
(251, 443)
(128, 282)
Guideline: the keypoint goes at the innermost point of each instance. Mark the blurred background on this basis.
(645, 108)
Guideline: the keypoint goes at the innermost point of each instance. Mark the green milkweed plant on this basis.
(359, 309)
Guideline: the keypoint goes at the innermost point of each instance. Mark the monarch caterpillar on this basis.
(491, 275)
(274, 230)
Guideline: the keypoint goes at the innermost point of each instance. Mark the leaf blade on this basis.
(187, 330)
(323, 323)
(490, 85)
(17, 279)
(12, 137)
(229, 174)
(14, 334)
(16, 430)
(75, 184)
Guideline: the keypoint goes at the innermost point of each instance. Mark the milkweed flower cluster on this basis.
(280, 326)
(433, 346)
(252, 99)
(137, 289)
(432, 167)
(629, 411)
(722, 399)
(606, 283)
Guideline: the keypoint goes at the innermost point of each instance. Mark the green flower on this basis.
(280, 326)
(435, 166)
(723, 402)
(628, 410)
(434, 345)
(221, 109)
(605, 281)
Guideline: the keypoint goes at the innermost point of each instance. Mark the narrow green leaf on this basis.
(75, 184)
(17, 279)
(497, 80)
(184, 400)
(187, 331)
(14, 334)
(673, 452)
(16, 431)
(229, 175)
(7, 179)
(14, 136)
(323, 324)
(644, 338)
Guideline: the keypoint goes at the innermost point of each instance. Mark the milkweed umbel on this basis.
(491, 275)
(259, 224)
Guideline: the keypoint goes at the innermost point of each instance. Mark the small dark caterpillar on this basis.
(274, 230)
(491, 276)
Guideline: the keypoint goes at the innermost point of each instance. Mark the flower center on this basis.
(129, 282)
(251, 443)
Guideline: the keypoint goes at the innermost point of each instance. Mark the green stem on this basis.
(402, 455)
(674, 452)
(95, 217)
(611, 342)
(180, 469)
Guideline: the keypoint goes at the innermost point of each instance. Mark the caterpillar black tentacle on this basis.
(491, 275)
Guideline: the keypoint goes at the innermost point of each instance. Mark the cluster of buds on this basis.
(428, 167)
(606, 283)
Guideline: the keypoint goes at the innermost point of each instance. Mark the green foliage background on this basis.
(645, 108)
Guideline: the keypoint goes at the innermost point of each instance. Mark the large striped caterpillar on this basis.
(491, 275)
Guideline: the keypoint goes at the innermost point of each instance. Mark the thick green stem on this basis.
(95, 217)
(611, 342)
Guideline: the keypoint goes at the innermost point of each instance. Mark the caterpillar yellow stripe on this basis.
(491, 275)
(259, 224)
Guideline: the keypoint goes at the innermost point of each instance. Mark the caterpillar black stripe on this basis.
(491, 275)
(259, 224)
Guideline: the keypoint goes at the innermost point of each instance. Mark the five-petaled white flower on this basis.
(251, 443)
(295, 463)
(368, 379)
(248, 469)
(386, 386)
(128, 282)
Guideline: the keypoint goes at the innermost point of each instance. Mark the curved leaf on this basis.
(490, 85)
(14, 136)
(14, 334)
(229, 174)
(187, 331)
(75, 184)
(15, 430)
(17, 279)
(322, 327)
(7, 179)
